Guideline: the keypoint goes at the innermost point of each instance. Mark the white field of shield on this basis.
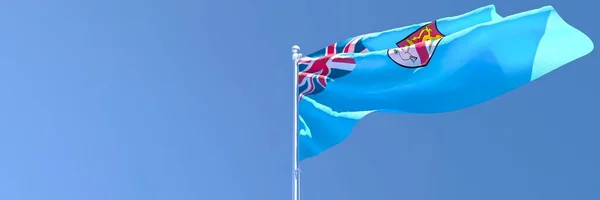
(409, 57)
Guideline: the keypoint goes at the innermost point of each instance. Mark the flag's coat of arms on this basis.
(327, 64)
(416, 50)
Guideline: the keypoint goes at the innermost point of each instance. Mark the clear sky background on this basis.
(192, 100)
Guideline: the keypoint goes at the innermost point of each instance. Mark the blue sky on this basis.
(184, 99)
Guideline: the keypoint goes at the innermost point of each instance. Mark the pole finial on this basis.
(296, 52)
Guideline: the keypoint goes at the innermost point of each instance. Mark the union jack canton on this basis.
(318, 68)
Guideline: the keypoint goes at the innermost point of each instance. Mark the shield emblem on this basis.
(416, 50)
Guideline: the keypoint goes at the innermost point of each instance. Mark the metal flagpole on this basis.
(296, 55)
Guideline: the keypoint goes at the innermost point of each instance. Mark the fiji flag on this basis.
(439, 66)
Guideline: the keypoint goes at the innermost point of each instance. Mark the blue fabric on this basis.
(479, 56)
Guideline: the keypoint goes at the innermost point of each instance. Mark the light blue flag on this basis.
(441, 66)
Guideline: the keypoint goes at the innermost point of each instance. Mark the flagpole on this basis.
(296, 55)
